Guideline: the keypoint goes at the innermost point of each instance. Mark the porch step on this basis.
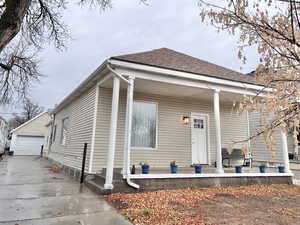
(97, 184)
(91, 184)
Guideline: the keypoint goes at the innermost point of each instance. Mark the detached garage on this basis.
(28, 138)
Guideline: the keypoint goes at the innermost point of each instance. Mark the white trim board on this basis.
(207, 175)
(188, 75)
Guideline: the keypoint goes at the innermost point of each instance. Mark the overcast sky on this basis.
(130, 27)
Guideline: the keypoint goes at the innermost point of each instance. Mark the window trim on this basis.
(61, 132)
(156, 127)
(54, 133)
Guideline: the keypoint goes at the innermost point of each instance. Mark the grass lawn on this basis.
(251, 205)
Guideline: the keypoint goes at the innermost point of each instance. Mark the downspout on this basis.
(117, 74)
(128, 124)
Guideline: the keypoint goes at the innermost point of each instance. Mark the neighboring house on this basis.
(179, 108)
(3, 134)
(28, 138)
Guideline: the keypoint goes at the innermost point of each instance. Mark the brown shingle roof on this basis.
(170, 59)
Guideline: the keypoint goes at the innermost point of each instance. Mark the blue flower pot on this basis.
(145, 169)
(198, 169)
(262, 169)
(238, 169)
(173, 169)
(281, 169)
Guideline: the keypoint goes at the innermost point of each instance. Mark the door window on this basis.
(198, 123)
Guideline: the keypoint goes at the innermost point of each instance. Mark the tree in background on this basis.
(29, 111)
(25, 26)
(273, 26)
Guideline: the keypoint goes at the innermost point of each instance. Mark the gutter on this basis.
(187, 75)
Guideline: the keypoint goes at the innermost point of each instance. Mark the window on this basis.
(53, 134)
(198, 123)
(64, 130)
(144, 121)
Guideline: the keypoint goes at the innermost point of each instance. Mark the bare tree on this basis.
(25, 26)
(29, 111)
(273, 26)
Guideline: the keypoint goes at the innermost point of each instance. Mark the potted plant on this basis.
(238, 169)
(281, 169)
(198, 167)
(173, 167)
(262, 168)
(145, 167)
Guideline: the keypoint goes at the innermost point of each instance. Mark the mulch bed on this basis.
(251, 205)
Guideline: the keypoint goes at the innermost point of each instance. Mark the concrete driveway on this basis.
(31, 194)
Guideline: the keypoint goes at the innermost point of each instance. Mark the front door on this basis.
(199, 139)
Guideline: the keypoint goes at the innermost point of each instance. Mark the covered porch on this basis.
(204, 128)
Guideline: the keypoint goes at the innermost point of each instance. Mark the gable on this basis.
(35, 127)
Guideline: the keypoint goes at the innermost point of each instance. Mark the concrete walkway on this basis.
(31, 194)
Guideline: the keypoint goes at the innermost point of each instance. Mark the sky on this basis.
(129, 27)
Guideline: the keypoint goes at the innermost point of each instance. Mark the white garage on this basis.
(28, 145)
(28, 138)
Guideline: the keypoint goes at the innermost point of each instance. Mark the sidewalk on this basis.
(31, 194)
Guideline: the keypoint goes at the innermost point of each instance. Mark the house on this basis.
(3, 134)
(178, 108)
(28, 138)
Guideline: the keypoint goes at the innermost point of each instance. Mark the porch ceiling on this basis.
(180, 91)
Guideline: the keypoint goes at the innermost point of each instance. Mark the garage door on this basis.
(28, 145)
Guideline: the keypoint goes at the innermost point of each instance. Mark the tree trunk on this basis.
(11, 20)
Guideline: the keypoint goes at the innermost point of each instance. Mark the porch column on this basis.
(128, 125)
(218, 131)
(285, 152)
(112, 134)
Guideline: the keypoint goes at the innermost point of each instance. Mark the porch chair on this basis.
(236, 158)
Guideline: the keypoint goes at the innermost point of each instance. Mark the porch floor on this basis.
(206, 170)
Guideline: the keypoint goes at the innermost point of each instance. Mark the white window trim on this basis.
(61, 132)
(54, 133)
(156, 129)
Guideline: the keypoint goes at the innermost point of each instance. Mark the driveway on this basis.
(31, 194)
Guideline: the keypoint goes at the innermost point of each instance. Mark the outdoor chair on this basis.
(236, 158)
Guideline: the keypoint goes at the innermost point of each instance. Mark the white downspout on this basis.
(128, 132)
(128, 124)
(117, 74)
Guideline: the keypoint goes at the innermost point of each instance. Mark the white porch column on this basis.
(128, 124)
(285, 152)
(112, 134)
(218, 131)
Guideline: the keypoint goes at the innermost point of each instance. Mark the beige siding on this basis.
(174, 138)
(259, 150)
(36, 127)
(80, 113)
(290, 141)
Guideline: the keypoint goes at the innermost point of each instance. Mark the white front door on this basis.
(199, 138)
